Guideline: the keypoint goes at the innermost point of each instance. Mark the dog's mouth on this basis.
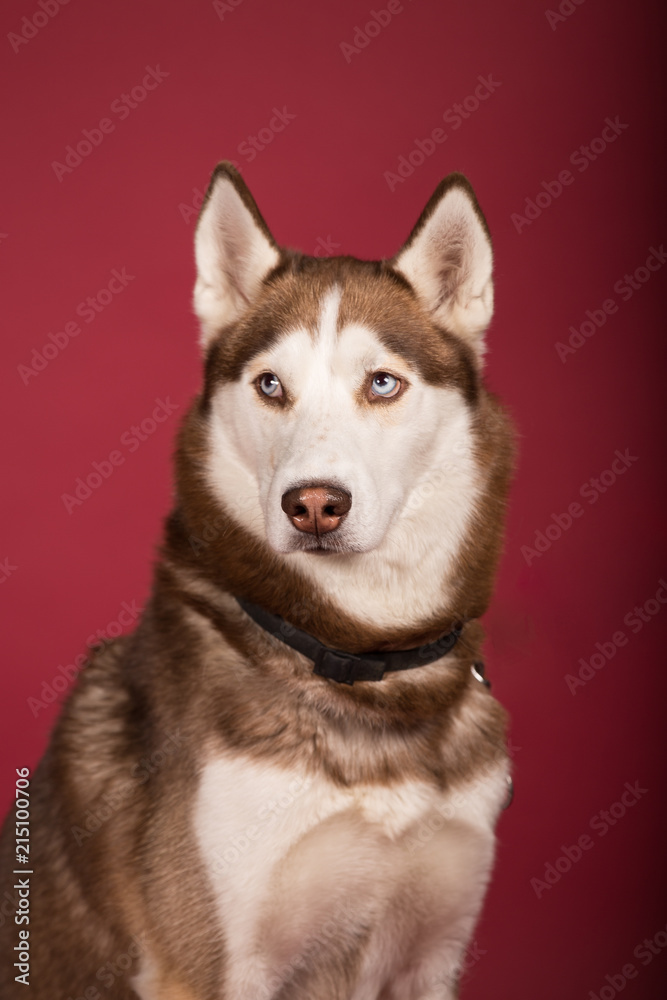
(322, 545)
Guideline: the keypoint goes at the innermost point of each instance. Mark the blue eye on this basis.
(384, 384)
(270, 384)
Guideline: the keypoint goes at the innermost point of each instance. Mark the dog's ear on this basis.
(448, 261)
(234, 251)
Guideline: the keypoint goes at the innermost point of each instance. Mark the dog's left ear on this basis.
(448, 260)
(234, 250)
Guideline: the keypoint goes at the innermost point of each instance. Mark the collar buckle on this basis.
(346, 668)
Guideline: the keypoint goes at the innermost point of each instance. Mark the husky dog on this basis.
(284, 784)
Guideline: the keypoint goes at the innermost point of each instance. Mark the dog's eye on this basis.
(385, 385)
(270, 385)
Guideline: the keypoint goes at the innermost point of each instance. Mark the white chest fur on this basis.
(300, 868)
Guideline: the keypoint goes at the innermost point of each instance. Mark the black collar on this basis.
(346, 668)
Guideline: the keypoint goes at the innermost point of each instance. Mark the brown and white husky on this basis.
(284, 784)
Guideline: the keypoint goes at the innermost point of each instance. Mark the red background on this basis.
(322, 178)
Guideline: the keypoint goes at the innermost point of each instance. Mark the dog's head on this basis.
(342, 398)
(332, 382)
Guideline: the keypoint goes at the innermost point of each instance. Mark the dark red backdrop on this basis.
(336, 111)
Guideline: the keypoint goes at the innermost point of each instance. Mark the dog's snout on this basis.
(316, 509)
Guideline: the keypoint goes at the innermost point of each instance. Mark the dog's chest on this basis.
(300, 867)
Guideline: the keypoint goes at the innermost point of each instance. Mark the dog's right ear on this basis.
(234, 250)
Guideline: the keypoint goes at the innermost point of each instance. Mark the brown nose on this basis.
(316, 509)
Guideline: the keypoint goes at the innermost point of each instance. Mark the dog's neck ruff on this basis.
(346, 668)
